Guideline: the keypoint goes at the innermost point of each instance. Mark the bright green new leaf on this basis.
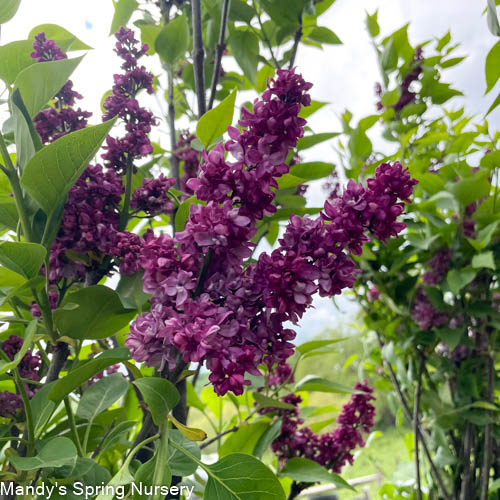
(242, 477)
(457, 279)
(214, 123)
(160, 395)
(14, 57)
(123, 12)
(312, 170)
(244, 439)
(311, 140)
(40, 82)
(8, 9)
(173, 40)
(492, 67)
(51, 173)
(100, 396)
(267, 402)
(25, 259)
(304, 470)
(313, 345)
(312, 383)
(485, 259)
(372, 24)
(86, 371)
(289, 180)
(307, 111)
(99, 314)
(55, 453)
(64, 38)
(322, 34)
(471, 188)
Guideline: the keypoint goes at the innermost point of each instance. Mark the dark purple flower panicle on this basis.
(189, 158)
(123, 103)
(437, 267)
(424, 314)
(211, 307)
(29, 365)
(332, 449)
(10, 404)
(61, 118)
(152, 197)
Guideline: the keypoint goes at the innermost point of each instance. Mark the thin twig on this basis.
(467, 472)
(488, 434)
(408, 415)
(219, 52)
(174, 161)
(265, 37)
(416, 408)
(198, 57)
(296, 41)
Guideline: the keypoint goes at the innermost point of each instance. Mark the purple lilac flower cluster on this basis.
(123, 103)
(11, 403)
(437, 267)
(189, 157)
(209, 307)
(425, 314)
(89, 228)
(60, 119)
(332, 449)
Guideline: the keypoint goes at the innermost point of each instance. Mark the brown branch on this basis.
(219, 52)
(416, 408)
(423, 434)
(296, 41)
(59, 357)
(174, 161)
(467, 472)
(488, 434)
(198, 57)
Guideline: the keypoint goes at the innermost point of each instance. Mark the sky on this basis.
(344, 75)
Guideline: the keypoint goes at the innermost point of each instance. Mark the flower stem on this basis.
(198, 57)
(72, 424)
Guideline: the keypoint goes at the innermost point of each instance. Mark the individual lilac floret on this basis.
(152, 197)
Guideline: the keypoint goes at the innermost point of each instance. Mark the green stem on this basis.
(161, 464)
(86, 437)
(72, 424)
(29, 415)
(128, 192)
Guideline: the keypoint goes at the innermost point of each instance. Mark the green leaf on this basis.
(55, 453)
(359, 144)
(442, 42)
(267, 438)
(51, 173)
(450, 337)
(492, 18)
(100, 396)
(492, 67)
(312, 170)
(241, 11)
(457, 279)
(14, 57)
(180, 464)
(27, 342)
(123, 12)
(304, 470)
(484, 236)
(149, 34)
(8, 9)
(263, 75)
(214, 123)
(25, 259)
(86, 371)
(64, 38)
(372, 24)
(182, 214)
(116, 435)
(267, 402)
(288, 181)
(242, 477)
(322, 34)
(313, 345)
(129, 289)
(312, 383)
(389, 57)
(99, 314)
(311, 140)
(40, 82)
(307, 111)
(491, 160)
(244, 439)
(42, 407)
(245, 49)
(160, 395)
(485, 259)
(283, 11)
(173, 40)
(471, 188)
